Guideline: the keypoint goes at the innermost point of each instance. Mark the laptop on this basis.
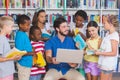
(69, 56)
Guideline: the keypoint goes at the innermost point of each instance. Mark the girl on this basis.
(93, 44)
(108, 56)
(80, 27)
(6, 64)
(39, 20)
(38, 46)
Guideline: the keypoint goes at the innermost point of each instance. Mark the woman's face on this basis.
(42, 17)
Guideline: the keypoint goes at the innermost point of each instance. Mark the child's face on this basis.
(79, 21)
(37, 35)
(26, 26)
(93, 31)
(42, 17)
(9, 28)
(106, 25)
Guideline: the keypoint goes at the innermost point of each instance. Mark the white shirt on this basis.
(82, 30)
(46, 28)
(108, 62)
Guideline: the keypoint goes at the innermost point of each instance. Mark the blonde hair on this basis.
(113, 19)
(5, 20)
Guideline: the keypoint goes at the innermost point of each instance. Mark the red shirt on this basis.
(38, 46)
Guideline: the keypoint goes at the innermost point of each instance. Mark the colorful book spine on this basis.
(97, 4)
(1, 4)
(118, 4)
(103, 4)
(83, 4)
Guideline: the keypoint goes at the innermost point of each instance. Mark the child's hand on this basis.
(77, 44)
(37, 65)
(17, 57)
(97, 52)
(89, 46)
(35, 55)
(80, 33)
(49, 31)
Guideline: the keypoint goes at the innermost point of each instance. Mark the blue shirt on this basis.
(55, 43)
(22, 43)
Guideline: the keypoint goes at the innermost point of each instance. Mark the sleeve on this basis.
(73, 46)
(48, 45)
(1, 47)
(28, 46)
(19, 42)
(22, 43)
(115, 36)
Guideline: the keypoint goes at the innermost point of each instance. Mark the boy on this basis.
(6, 64)
(22, 42)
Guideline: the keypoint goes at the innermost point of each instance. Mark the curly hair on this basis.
(81, 13)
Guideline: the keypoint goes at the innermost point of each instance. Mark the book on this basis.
(80, 40)
(39, 60)
(90, 52)
(12, 3)
(13, 52)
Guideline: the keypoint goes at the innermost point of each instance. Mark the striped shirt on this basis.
(38, 46)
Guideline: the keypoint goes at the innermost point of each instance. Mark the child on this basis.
(109, 48)
(39, 20)
(91, 60)
(22, 43)
(38, 46)
(6, 64)
(80, 18)
(79, 33)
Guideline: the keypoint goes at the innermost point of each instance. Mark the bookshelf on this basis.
(54, 8)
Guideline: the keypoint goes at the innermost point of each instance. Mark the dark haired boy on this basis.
(22, 43)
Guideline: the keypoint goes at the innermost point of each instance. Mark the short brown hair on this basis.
(5, 20)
